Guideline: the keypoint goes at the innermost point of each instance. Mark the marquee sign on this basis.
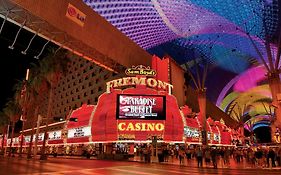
(216, 137)
(140, 70)
(27, 139)
(79, 132)
(40, 137)
(54, 135)
(147, 107)
(191, 132)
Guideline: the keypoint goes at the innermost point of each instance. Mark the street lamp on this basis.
(23, 116)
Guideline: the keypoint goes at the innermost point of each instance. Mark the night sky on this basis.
(13, 62)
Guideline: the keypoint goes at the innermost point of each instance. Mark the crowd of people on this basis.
(255, 157)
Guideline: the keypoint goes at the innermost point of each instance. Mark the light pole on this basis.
(23, 117)
(36, 135)
(8, 129)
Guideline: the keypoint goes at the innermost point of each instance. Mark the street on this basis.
(60, 166)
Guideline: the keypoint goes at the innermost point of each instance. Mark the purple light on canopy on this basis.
(250, 79)
(137, 19)
(191, 19)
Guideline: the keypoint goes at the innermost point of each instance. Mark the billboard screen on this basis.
(145, 107)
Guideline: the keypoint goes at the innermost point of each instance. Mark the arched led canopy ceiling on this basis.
(205, 30)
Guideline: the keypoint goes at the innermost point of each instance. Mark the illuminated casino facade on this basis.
(136, 114)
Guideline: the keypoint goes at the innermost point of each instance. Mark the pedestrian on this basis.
(199, 156)
(226, 156)
(214, 157)
(271, 155)
(160, 155)
(207, 156)
(145, 153)
(188, 154)
(181, 156)
(172, 153)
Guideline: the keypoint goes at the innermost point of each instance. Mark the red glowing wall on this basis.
(104, 124)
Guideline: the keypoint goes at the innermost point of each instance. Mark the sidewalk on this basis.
(193, 163)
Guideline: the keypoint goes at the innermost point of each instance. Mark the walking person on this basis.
(214, 157)
(207, 157)
(272, 155)
(188, 154)
(226, 156)
(181, 156)
(199, 156)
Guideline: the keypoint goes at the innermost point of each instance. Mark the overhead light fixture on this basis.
(37, 57)
(35, 34)
(5, 19)
(16, 37)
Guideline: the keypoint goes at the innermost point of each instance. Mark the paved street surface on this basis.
(60, 166)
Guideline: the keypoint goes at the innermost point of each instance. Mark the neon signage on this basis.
(123, 126)
(131, 81)
(150, 107)
(140, 70)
